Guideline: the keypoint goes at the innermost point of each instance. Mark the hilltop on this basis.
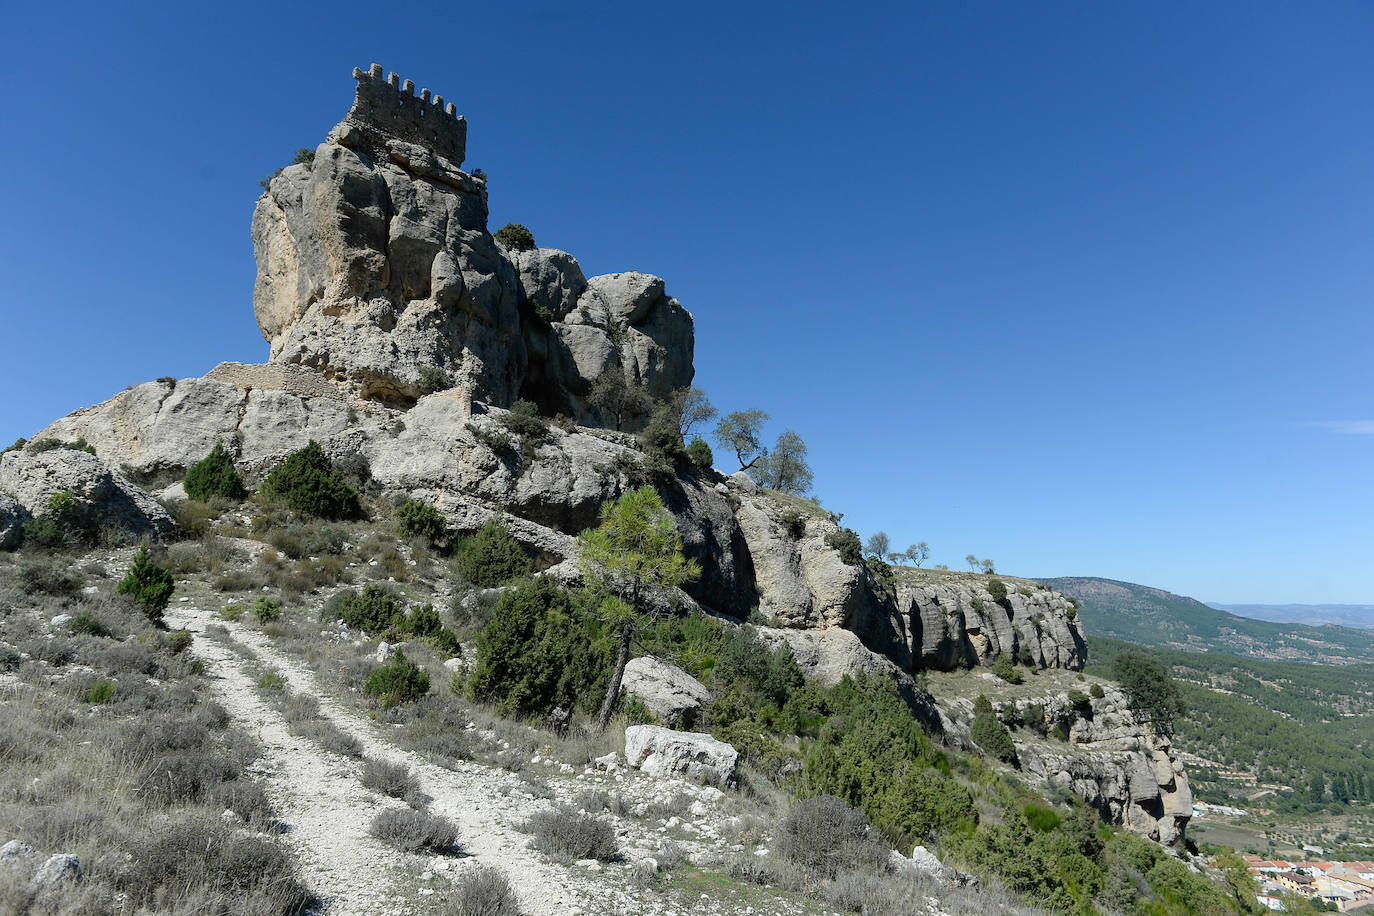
(373, 540)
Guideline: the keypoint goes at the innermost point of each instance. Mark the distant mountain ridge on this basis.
(1359, 616)
(1153, 617)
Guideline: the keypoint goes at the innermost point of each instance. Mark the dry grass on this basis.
(135, 786)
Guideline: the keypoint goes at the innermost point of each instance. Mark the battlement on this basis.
(389, 107)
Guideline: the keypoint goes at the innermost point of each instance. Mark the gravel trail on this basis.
(327, 811)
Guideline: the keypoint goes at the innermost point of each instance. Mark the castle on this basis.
(388, 108)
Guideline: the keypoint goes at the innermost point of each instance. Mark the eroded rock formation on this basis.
(375, 265)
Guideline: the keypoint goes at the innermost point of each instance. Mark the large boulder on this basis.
(106, 503)
(663, 752)
(669, 692)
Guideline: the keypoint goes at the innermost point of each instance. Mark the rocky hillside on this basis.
(377, 276)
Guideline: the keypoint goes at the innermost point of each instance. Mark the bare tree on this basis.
(918, 554)
(877, 545)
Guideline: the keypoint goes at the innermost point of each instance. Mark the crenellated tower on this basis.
(387, 108)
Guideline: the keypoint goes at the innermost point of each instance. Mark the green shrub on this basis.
(773, 675)
(1003, 667)
(214, 475)
(1040, 818)
(57, 526)
(46, 445)
(306, 481)
(998, 590)
(149, 585)
(992, 736)
(18, 444)
(1097, 692)
(664, 453)
(793, 521)
(1079, 699)
(872, 753)
(515, 237)
(433, 379)
(492, 557)
(272, 680)
(1150, 686)
(690, 641)
(421, 520)
(101, 692)
(525, 420)
(398, 681)
(539, 651)
(178, 641)
(374, 611)
(266, 609)
(846, 541)
(699, 453)
(231, 612)
(85, 625)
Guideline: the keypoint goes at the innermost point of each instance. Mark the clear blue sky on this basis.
(1081, 287)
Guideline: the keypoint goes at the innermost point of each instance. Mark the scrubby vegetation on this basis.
(415, 831)
(541, 651)
(514, 237)
(570, 835)
(214, 476)
(398, 681)
(148, 584)
(139, 790)
(492, 557)
(307, 482)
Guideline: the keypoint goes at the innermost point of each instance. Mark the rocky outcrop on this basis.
(375, 266)
(1096, 747)
(670, 693)
(801, 581)
(957, 619)
(663, 752)
(106, 504)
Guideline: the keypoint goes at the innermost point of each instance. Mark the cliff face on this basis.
(375, 265)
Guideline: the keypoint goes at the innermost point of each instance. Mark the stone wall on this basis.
(388, 108)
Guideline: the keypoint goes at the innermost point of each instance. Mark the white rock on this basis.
(663, 752)
(61, 620)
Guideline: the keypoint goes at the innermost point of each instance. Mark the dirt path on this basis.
(327, 810)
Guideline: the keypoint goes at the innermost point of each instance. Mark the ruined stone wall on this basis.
(388, 108)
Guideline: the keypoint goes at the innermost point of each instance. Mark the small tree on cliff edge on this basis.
(634, 552)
